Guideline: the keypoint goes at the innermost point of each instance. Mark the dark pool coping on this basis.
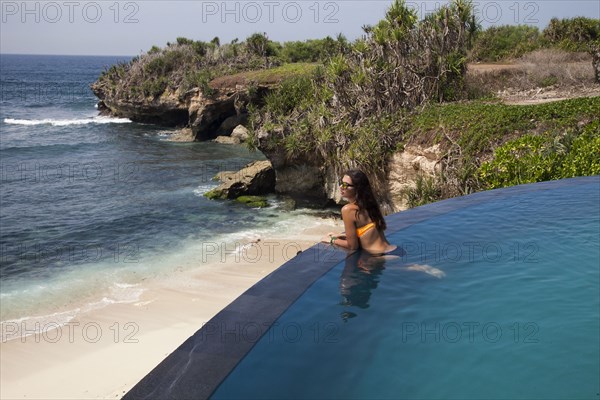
(197, 367)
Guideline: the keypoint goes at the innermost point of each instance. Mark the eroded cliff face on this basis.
(309, 181)
(301, 178)
(207, 116)
(406, 166)
(305, 179)
(167, 110)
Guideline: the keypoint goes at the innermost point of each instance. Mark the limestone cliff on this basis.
(302, 178)
(208, 116)
(406, 166)
(311, 183)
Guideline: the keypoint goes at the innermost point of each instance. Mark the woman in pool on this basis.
(363, 221)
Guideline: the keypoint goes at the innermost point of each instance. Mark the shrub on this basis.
(553, 66)
(154, 87)
(553, 155)
(199, 79)
(470, 131)
(182, 41)
(319, 50)
(291, 93)
(540, 68)
(501, 42)
(583, 158)
(574, 34)
(426, 190)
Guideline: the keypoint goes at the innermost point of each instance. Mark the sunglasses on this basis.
(345, 185)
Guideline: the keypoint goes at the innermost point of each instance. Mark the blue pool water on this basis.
(495, 300)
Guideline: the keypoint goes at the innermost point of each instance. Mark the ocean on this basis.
(92, 206)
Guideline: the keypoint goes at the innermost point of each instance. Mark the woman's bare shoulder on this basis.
(350, 207)
(349, 210)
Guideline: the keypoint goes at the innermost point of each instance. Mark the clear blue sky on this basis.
(114, 27)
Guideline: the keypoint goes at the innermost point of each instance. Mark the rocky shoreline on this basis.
(222, 116)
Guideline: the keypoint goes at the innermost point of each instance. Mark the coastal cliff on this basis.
(401, 103)
(208, 116)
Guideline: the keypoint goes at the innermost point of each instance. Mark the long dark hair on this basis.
(365, 199)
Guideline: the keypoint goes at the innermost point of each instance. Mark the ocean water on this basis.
(498, 300)
(90, 206)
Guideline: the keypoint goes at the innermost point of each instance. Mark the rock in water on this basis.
(254, 179)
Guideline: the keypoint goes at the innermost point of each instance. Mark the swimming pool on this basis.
(496, 295)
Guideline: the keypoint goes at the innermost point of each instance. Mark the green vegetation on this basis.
(426, 190)
(250, 201)
(505, 42)
(511, 42)
(351, 112)
(319, 50)
(277, 74)
(215, 195)
(552, 155)
(575, 34)
(363, 106)
(520, 143)
(475, 126)
(188, 64)
(352, 105)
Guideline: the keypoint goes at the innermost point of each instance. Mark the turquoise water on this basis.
(496, 300)
(93, 206)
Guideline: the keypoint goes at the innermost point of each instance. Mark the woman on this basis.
(363, 221)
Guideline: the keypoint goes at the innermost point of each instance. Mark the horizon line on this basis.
(66, 55)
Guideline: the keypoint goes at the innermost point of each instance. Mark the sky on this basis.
(129, 28)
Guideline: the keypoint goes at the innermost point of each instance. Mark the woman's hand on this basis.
(327, 238)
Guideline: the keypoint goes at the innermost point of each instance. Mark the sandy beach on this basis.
(103, 353)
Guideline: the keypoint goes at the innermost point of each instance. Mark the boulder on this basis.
(241, 133)
(255, 179)
(226, 140)
(224, 176)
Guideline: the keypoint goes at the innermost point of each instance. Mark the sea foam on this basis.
(67, 122)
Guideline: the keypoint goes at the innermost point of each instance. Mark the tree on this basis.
(402, 62)
(258, 44)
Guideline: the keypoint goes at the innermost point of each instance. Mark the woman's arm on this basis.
(348, 240)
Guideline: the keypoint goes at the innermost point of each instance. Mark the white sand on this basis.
(103, 353)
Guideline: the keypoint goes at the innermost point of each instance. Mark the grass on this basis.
(490, 144)
(478, 126)
(265, 76)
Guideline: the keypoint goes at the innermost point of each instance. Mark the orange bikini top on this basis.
(361, 231)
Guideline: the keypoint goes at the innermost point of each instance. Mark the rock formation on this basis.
(239, 135)
(302, 179)
(207, 116)
(222, 114)
(254, 179)
(404, 167)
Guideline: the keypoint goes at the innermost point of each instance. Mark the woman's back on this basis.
(371, 239)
